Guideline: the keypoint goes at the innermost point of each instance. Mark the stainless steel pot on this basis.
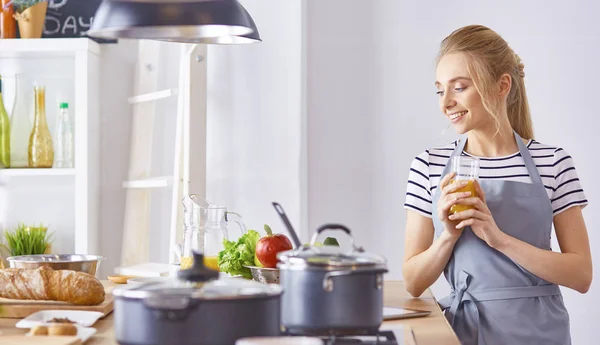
(328, 291)
(197, 310)
(75, 262)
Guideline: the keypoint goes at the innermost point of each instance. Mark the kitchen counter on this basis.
(430, 330)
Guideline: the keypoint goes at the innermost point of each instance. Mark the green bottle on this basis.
(4, 133)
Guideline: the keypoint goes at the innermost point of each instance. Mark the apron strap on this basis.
(531, 167)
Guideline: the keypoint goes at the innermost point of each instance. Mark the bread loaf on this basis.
(44, 283)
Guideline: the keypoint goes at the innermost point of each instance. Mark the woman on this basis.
(496, 257)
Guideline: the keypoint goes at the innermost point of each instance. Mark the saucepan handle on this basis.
(328, 281)
(324, 227)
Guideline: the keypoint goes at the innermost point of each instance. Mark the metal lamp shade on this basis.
(253, 37)
(188, 21)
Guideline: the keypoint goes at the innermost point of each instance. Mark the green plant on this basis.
(22, 5)
(27, 240)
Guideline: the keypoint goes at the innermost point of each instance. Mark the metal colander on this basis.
(265, 275)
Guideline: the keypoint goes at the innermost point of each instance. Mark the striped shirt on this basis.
(554, 165)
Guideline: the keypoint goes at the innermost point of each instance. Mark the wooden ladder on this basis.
(189, 170)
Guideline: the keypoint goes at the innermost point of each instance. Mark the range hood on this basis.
(186, 21)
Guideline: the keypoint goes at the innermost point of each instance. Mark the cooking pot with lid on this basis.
(331, 291)
(196, 309)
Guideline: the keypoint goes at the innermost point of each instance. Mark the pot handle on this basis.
(328, 281)
(345, 229)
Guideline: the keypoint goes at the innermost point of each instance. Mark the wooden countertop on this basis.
(429, 330)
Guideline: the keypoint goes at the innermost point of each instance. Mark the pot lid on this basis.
(222, 289)
(328, 256)
(312, 255)
(199, 282)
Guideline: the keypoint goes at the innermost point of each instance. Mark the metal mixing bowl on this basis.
(265, 275)
(75, 262)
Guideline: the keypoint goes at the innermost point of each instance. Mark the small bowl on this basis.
(120, 279)
(265, 275)
(74, 262)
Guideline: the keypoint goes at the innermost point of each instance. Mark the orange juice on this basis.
(209, 261)
(470, 187)
(212, 262)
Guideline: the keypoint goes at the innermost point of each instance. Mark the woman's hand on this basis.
(480, 219)
(448, 198)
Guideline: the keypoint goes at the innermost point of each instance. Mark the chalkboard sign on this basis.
(70, 18)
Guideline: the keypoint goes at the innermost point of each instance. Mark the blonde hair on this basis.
(488, 58)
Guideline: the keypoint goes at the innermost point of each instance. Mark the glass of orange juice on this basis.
(466, 168)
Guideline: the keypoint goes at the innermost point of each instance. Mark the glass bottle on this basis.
(8, 24)
(4, 133)
(20, 128)
(64, 138)
(41, 150)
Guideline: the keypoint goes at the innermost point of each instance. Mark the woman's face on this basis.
(459, 100)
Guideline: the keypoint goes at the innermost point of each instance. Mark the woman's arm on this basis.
(424, 258)
(572, 267)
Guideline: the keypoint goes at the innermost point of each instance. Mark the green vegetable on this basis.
(331, 241)
(27, 240)
(238, 254)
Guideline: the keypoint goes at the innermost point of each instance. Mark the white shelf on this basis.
(37, 172)
(152, 96)
(48, 46)
(70, 68)
(153, 182)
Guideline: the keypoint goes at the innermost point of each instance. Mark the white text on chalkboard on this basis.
(69, 18)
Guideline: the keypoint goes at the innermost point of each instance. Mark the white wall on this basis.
(254, 118)
(340, 108)
(372, 108)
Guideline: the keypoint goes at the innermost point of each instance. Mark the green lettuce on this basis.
(238, 254)
(331, 241)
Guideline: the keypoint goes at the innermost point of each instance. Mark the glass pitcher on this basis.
(205, 228)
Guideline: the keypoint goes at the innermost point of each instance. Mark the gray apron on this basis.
(494, 301)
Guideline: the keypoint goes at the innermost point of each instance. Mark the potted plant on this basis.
(31, 16)
(28, 240)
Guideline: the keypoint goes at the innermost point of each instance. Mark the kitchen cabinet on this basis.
(65, 200)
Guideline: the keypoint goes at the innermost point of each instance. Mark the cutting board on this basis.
(41, 340)
(12, 308)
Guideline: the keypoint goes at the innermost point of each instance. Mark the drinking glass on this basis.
(466, 169)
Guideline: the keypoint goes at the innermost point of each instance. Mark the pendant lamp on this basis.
(186, 21)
